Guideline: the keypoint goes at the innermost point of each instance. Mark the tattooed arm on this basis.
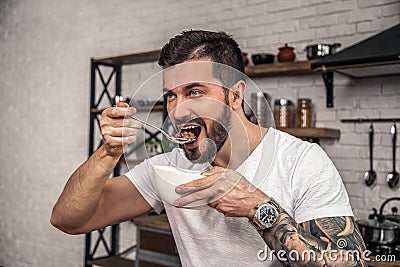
(332, 241)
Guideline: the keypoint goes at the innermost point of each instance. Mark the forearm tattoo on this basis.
(332, 241)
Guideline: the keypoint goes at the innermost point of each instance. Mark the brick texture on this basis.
(45, 51)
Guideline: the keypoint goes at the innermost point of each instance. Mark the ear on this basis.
(236, 94)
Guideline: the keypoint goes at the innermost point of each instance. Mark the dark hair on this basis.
(219, 46)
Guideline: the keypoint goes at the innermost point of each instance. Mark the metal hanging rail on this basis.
(366, 120)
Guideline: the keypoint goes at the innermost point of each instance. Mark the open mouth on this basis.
(191, 132)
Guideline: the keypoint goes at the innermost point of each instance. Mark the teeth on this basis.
(189, 127)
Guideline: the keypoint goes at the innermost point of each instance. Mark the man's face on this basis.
(201, 108)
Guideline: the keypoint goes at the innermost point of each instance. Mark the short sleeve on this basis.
(318, 190)
(142, 177)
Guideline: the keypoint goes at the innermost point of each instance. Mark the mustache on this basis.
(183, 121)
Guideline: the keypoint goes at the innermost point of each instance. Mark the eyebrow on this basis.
(187, 87)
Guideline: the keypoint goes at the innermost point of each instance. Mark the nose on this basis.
(181, 110)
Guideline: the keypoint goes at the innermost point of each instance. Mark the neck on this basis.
(243, 139)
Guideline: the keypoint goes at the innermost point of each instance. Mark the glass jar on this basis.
(283, 113)
(304, 113)
(260, 104)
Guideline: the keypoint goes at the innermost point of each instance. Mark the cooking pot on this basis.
(262, 58)
(380, 232)
(381, 229)
(320, 50)
(394, 216)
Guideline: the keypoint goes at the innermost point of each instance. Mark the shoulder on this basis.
(307, 162)
(289, 146)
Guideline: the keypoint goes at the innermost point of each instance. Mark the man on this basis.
(300, 209)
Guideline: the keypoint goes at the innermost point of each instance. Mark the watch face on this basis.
(267, 215)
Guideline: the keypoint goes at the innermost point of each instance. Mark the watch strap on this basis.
(256, 224)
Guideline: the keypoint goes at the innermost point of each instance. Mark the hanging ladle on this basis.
(392, 178)
(370, 176)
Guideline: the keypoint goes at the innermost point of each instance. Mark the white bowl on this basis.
(167, 178)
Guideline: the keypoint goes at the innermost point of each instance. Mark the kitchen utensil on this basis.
(392, 178)
(260, 105)
(262, 58)
(167, 178)
(370, 176)
(381, 232)
(286, 54)
(178, 140)
(378, 229)
(394, 216)
(320, 50)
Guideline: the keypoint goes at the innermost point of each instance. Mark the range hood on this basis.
(378, 55)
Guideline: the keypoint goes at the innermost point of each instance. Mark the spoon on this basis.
(178, 140)
(370, 176)
(392, 178)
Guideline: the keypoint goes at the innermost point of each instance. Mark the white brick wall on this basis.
(44, 81)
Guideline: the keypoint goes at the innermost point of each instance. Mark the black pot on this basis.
(262, 58)
(379, 232)
(320, 50)
(394, 218)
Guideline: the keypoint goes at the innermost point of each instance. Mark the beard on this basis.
(216, 138)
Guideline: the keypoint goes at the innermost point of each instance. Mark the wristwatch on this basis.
(266, 215)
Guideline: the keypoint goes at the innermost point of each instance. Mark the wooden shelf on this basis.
(112, 261)
(156, 107)
(321, 133)
(262, 70)
(284, 68)
(129, 59)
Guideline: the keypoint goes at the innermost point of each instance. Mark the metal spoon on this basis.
(178, 140)
(392, 178)
(370, 176)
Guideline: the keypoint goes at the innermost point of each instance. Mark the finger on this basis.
(113, 141)
(213, 170)
(126, 140)
(196, 185)
(130, 111)
(213, 204)
(120, 132)
(116, 112)
(119, 123)
(132, 123)
(122, 105)
(195, 196)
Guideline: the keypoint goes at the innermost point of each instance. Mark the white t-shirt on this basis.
(297, 174)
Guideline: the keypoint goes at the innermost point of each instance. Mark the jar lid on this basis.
(304, 100)
(283, 102)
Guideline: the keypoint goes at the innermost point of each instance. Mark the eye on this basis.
(195, 93)
(170, 95)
